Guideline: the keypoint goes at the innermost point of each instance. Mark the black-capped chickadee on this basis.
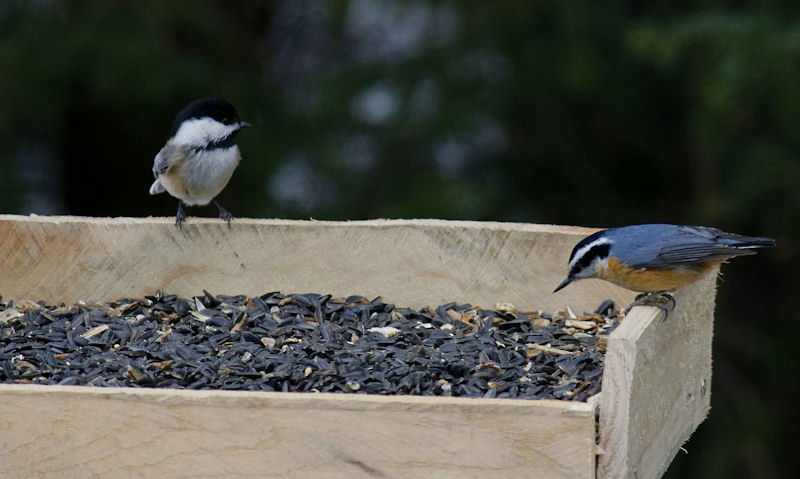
(200, 156)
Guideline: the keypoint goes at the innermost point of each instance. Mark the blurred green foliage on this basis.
(593, 113)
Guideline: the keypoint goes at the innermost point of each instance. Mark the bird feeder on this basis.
(656, 379)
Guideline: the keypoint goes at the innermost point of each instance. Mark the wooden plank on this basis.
(408, 262)
(122, 432)
(656, 384)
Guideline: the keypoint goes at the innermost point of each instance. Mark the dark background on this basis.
(587, 113)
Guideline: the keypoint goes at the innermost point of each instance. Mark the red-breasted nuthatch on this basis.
(200, 155)
(656, 258)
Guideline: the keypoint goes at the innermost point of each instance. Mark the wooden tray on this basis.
(656, 380)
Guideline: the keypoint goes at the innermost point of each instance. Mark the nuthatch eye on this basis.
(655, 258)
(200, 156)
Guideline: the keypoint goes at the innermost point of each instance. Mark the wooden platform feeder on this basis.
(655, 389)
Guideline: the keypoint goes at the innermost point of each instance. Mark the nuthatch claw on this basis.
(663, 301)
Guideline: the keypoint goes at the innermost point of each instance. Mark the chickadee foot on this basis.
(180, 216)
(663, 301)
(223, 213)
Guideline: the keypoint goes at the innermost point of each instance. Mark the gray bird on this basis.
(200, 156)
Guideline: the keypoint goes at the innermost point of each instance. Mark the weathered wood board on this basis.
(656, 380)
(71, 431)
(656, 384)
(409, 262)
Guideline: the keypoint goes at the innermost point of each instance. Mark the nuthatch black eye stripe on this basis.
(656, 257)
(596, 251)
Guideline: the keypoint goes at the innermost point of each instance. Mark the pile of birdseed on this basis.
(305, 342)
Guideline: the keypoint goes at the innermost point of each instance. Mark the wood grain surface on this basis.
(409, 262)
(84, 432)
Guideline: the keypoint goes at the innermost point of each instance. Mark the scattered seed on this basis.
(576, 323)
(95, 331)
(9, 314)
(534, 349)
(571, 313)
(505, 308)
(387, 331)
(305, 342)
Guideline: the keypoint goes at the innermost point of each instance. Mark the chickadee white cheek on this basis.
(200, 132)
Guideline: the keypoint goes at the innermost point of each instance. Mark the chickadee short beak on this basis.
(566, 281)
(243, 124)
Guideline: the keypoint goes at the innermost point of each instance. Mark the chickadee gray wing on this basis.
(164, 159)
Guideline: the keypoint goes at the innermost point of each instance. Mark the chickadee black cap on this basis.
(214, 108)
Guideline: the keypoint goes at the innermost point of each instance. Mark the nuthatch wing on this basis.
(200, 156)
(656, 258)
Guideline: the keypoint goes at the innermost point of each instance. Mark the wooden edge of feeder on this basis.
(656, 383)
(412, 263)
(120, 432)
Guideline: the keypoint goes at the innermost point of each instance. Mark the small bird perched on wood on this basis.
(656, 258)
(200, 156)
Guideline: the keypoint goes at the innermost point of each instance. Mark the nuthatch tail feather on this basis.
(655, 258)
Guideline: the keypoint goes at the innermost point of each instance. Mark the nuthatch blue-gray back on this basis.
(656, 258)
(200, 155)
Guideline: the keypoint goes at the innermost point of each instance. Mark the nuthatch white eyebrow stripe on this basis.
(199, 158)
(601, 245)
(655, 258)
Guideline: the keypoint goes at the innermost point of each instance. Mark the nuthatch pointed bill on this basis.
(200, 156)
(656, 258)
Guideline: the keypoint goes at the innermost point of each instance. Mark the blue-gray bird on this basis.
(656, 258)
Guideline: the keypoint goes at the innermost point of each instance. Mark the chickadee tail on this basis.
(157, 188)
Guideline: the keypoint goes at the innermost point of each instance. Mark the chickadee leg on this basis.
(180, 216)
(662, 300)
(223, 213)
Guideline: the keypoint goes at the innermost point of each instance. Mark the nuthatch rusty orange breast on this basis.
(656, 258)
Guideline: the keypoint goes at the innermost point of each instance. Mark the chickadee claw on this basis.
(223, 213)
